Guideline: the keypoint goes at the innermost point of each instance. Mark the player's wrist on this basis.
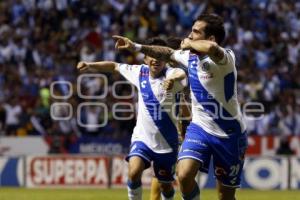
(137, 47)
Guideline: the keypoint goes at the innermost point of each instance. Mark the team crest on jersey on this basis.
(205, 67)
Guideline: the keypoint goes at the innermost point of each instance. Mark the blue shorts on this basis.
(163, 163)
(227, 153)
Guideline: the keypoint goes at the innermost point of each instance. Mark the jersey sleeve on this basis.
(181, 56)
(178, 85)
(129, 72)
(228, 61)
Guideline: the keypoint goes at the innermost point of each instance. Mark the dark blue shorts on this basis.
(163, 163)
(227, 153)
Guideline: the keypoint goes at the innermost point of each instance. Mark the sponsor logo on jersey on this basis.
(162, 172)
(143, 84)
(219, 171)
(206, 76)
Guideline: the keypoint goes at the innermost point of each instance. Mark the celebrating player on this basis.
(183, 114)
(217, 129)
(155, 136)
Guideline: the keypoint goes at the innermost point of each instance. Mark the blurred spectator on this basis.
(2, 118)
(13, 112)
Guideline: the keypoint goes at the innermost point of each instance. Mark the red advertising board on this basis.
(54, 171)
(119, 170)
(268, 145)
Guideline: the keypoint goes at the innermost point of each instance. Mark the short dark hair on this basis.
(155, 41)
(173, 42)
(214, 26)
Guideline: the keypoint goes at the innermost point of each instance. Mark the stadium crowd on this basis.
(42, 40)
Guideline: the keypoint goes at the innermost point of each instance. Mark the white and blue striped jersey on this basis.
(215, 107)
(156, 120)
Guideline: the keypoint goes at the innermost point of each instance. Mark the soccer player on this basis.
(217, 129)
(155, 136)
(183, 115)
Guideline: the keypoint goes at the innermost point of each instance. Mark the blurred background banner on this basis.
(270, 145)
(34, 145)
(262, 173)
(91, 145)
(67, 171)
(12, 171)
(31, 145)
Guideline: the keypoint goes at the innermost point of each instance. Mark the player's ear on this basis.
(212, 38)
(146, 59)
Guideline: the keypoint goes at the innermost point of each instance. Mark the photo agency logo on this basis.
(97, 107)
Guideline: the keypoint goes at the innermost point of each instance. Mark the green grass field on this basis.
(116, 194)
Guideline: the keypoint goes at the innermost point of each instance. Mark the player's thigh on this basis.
(187, 169)
(225, 192)
(136, 167)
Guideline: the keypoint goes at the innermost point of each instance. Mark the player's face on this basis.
(198, 31)
(156, 66)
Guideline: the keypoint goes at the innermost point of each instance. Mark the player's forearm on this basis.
(103, 66)
(177, 75)
(212, 49)
(203, 46)
(159, 52)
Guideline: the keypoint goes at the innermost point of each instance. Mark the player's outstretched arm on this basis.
(159, 52)
(103, 66)
(212, 49)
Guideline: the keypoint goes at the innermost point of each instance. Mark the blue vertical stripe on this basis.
(207, 100)
(160, 118)
(9, 173)
(229, 81)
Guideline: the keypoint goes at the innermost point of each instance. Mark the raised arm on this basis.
(159, 52)
(212, 49)
(103, 66)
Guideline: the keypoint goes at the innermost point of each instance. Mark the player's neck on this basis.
(197, 53)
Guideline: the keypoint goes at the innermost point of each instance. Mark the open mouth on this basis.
(155, 64)
(156, 67)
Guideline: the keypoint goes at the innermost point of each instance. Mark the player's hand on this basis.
(168, 84)
(123, 43)
(83, 66)
(185, 43)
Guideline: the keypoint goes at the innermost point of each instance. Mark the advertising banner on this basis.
(268, 145)
(67, 171)
(92, 145)
(258, 145)
(119, 172)
(295, 173)
(259, 173)
(20, 146)
(262, 173)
